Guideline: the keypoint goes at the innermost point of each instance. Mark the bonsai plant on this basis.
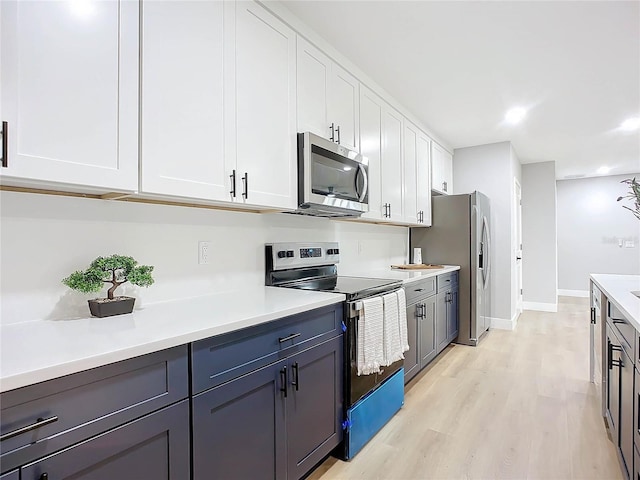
(114, 270)
(634, 194)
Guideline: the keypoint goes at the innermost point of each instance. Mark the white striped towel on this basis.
(370, 336)
(392, 345)
(402, 318)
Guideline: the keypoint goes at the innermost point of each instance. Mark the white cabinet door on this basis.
(343, 107)
(265, 80)
(392, 176)
(313, 73)
(370, 143)
(70, 91)
(328, 97)
(423, 184)
(182, 118)
(410, 173)
(442, 169)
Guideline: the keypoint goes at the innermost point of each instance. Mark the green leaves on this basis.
(115, 270)
(634, 189)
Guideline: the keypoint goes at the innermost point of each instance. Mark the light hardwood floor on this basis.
(518, 406)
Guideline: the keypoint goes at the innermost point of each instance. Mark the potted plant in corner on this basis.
(634, 194)
(116, 270)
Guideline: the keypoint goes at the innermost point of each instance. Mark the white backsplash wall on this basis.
(44, 238)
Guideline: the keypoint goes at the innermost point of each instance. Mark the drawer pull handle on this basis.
(290, 337)
(41, 422)
(44, 476)
(418, 289)
(619, 321)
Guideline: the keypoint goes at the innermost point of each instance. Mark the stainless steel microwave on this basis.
(332, 180)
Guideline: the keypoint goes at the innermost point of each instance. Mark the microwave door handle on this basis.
(362, 195)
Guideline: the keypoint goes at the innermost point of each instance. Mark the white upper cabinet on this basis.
(423, 149)
(442, 169)
(265, 148)
(392, 167)
(70, 92)
(182, 114)
(370, 143)
(328, 97)
(410, 182)
(265, 95)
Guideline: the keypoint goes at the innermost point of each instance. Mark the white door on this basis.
(518, 245)
(70, 91)
(182, 117)
(423, 158)
(410, 173)
(265, 81)
(343, 107)
(391, 164)
(313, 72)
(370, 137)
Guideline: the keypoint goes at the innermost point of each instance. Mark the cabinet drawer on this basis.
(152, 447)
(447, 281)
(219, 359)
(623, 328)
(420, 288)
(73, 408)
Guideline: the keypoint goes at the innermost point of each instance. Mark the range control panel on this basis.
(283, 256)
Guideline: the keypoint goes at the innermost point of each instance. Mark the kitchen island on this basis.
(615, 305)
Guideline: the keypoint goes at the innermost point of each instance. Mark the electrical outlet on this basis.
(204, 252)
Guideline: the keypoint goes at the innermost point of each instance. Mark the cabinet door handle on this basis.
(245, 185)
(40, 422)
(233, 184)
(5, 144)
(283, 379)
(332, 133)
(338, 132)
(612, 348)
(44, 476)
(296, 382)
(289, 337)
(444, 186)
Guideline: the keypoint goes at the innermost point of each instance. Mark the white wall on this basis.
(45, 238)
(491, 169)
(539, 234)
(591, 225)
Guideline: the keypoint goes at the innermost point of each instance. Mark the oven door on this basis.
(331, 175)
(358, 386)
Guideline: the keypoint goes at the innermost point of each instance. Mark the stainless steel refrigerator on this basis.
(461, 235)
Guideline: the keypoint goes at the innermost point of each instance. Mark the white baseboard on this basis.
(540, 307)
(504, 323)
(574, 293)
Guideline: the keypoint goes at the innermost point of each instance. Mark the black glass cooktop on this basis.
(353, 287)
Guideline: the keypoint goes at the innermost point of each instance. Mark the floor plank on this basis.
(518, 406)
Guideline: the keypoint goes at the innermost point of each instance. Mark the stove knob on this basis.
(282, 254)
(336, 251)
(330, 251)
(290, 253)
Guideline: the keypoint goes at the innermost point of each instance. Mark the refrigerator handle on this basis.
(475, 215)
(485, 232)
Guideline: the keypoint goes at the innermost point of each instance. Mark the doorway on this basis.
(518, 244)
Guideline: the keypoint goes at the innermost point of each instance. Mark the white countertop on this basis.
(407, 276)
(618, 290)
(36, 351)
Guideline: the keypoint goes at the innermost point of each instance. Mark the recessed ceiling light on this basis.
(515, 115)
(603, 170)
(630, 124)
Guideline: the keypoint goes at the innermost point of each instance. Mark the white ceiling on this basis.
(459, 66)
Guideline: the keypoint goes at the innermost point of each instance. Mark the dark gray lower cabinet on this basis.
(153, 447)
(274, 423)
(412, 357)
(428, 331)
(441, 320)
(452, 315)
(15, 475)
(626, 411)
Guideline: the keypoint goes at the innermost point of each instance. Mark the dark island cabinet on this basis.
(153, 447)
(274, 423)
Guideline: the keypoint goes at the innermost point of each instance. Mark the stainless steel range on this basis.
(370, 400)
